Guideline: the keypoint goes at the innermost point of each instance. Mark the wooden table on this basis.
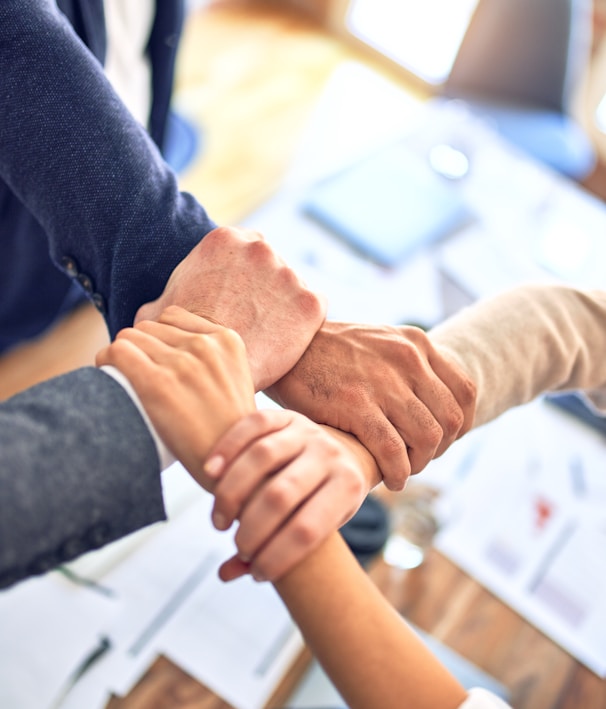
(250, 77)
(444, 601)
(166, 686)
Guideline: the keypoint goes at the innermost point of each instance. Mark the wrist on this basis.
(165, 456)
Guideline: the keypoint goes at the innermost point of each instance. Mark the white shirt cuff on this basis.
(165, 457)
(478, 698)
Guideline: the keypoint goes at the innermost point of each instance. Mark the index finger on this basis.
(240, 436)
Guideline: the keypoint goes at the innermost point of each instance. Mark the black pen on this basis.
(91, 659)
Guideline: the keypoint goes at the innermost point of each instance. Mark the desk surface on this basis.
(251, 78)
(442, 600)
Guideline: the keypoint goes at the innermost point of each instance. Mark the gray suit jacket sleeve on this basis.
(78, 469)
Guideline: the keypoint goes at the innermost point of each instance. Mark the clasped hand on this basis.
(287, 481)
(234, 278)
(388, 387)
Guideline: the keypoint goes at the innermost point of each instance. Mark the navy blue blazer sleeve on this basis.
(78, 469)
(86, 170)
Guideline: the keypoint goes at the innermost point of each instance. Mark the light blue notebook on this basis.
(388, 205)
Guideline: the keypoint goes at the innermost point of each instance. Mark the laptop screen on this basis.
(423, 36)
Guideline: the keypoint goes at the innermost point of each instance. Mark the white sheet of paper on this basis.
(525, 525)
(236, 638)
(48, 627)
(357, 289)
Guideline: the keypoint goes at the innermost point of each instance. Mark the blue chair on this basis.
(182, 142)
(518, 66)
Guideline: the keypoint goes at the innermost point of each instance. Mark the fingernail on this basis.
(220, 521)
(244, 558)
(259, 577)
(214, 466)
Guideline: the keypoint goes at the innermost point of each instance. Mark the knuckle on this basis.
(310, 303)
(263, 454)
(433, 433)
(305, 533)
(226, 231)
(232, 341)
(119, 346)
(260, 249)
(468, 393)
(453, 422)
(352, 483)
(198, 346)
(415, 335)
(172, 311)
(263, 418)
(389, 444)
(182, 364)
(279, 493)
(394, 462)
(220, 233)
(122, 335)
(357, 398)
(356, 483)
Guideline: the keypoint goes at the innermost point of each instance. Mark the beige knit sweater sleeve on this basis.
(529, 340)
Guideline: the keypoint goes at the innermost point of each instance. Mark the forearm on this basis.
(89, 173)
(366, 648)
(533, 339)
(515, 346)
(71, 479)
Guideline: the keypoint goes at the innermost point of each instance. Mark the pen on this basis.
(91, 659)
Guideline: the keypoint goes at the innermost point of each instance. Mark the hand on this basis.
(289, 482)
(233, 277)
(192, 378)
(389, 387)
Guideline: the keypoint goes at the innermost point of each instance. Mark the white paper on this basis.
(237, 639)
(48, 627)
(357, 289)
(527, 527)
